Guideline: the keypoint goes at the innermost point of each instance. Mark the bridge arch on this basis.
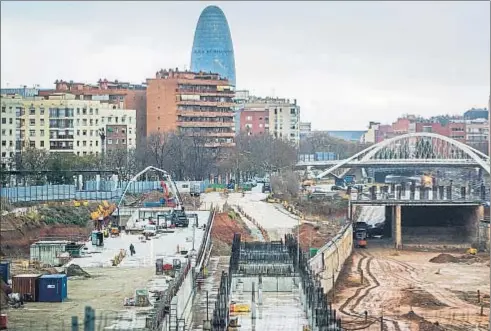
(172, 185)
(369, 153)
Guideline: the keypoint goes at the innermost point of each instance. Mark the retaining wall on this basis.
(329, 260)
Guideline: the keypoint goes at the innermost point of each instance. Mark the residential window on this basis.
(97, 111)
(78, 111)
(293, 111)
(4, 109)
(91, 122)
(11, 121)
(4, 121)
(97, 143)
(41, 121)
(84, 122)
(78, 121)
(129, 141)
(91, 111)
(109, 141)
(84, 132)
(41, 133)
(41, 111)
(91, 132)
(42, 144)
(4, 154)
(96, 122)
(123, 141)
(84, 111)
(84, 153)
(32, 144)
(32, 122)
(32, 111)
(32, 133)
(78, 143)
(84, 143)
(4, 132)
(4, 142)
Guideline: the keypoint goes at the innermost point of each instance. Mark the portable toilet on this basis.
(53, 288)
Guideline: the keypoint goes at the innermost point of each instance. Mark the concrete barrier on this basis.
(329, 260)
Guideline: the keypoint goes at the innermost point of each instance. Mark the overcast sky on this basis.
(346, 63)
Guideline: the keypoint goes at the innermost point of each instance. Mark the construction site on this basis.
(131, 263)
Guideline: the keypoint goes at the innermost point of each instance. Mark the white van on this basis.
(150, 230)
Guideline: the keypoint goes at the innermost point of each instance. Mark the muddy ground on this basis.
(104, 292)
(411, 292)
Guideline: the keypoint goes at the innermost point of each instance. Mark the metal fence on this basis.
(90, 190)
(323, 316)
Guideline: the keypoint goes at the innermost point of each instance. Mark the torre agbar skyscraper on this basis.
(213, 50)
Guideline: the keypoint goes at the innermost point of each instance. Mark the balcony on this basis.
(210, 93)
(206, 124)
(215, 145)
(70, 137)
(191, 113)
(211, 134)
(60, 148)
(206, 103)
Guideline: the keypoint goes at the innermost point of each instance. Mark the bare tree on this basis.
(159, 149)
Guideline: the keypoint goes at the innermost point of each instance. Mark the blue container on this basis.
(151, 204)
(5, 271)
(52, 288)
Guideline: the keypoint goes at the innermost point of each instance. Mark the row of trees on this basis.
(185, 157)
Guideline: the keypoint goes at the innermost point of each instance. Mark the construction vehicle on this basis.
(472, 251)
(426, 181)
(179, 218)
(361, 238)
(114, 231)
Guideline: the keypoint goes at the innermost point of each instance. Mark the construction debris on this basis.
(76, 270)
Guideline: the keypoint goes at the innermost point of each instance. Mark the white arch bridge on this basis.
(413, 150)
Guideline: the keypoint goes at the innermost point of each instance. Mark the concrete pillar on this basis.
(397, 227)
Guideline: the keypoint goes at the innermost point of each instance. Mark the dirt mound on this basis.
(447, 258)
(444, 258)
(424, 325)
(420, 298)
(316, 235)
(76, 270)
(224, 228)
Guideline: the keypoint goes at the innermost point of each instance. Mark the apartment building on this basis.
(254, 121)
(62, 123)
(8, 131)
(477, 134)
(284, 120)
(305, 129)
(279, 117)
(193, 104)
(112, 94)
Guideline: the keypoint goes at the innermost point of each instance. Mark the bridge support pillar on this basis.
(396, 226)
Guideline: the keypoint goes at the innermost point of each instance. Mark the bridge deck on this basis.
(422, 203)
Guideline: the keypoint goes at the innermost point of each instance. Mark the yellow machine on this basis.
(472, 251)
(426, 180)
(114, 231)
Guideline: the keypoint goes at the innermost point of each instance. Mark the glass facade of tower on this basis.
(213, 50)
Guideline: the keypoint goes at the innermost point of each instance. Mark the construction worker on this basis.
(132, 249)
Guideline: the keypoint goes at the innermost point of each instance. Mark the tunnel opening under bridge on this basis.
(436, 226)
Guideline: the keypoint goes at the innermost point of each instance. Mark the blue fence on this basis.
(91, 190)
